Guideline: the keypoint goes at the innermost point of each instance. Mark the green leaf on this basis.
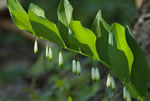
(37, 10)
(117, 60)
(22, 21)
(140, 73)
(43, 27)
(64, 12)
(67, 36)
(119, 33)
(98, 23)
(69, 98)
(101, 30)
(19, 15)
(14, 5)
(85, 39)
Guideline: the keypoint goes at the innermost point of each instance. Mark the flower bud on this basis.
(47, 52)
(74, 67)
(60, 59)
(78, 68)
(35, 47)
(97, 74)
(108, 81)
(128, 96)
(125, 93)
(50, 55)
(69, 98)
(93, 74)
(113, 85)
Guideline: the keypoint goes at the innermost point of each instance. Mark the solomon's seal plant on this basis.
(112, 45)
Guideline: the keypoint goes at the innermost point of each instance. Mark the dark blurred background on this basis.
(28, 77)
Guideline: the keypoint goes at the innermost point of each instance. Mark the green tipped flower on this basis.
(74, 67)
(97, 74)
(69, 98)
(35, 46)
(128, 96)
(113, 85)
(50, 55)
(60, 59)
(47, 52)
(125, 93)
(78, 68)
(93, 74)
(108, 81)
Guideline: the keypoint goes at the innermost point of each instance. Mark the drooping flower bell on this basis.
(60, 59)
(124, 93)
(74, 67)
(50, 55)
(93, 74)
(78, 68)
(35, 46)
(97, 74)
(128, 96)
(113, 85)
(47, 52)
(108, 81)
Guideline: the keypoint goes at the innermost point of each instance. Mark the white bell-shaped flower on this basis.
(93, 74)
(78, 67)
(60, 59)
(74, 67)
(35, 46)
(108, 82)
(124, 93)
(113, 85)
(97, 74)
(50, 55)
(128, 96)
(47, 52)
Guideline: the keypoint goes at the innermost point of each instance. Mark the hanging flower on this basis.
(35, 46)
(97, 74)
(113, 85)
(74, 67)
(78, 68)
(50, 55)
(93, 74)
(124, 93)
(60, 59)
(108, 81)
(47, 52)
(128, 96)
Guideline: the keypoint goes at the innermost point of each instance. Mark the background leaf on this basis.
(140, 72)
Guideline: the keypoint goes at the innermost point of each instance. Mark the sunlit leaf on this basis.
(120, 38)
(19, 15)
(43, 27)
(86, 39)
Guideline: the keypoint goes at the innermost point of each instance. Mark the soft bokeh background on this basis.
(28, 77)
